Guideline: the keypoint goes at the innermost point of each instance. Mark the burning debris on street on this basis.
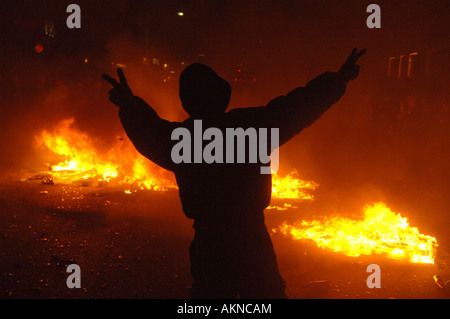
(120, 165)
(378, 231)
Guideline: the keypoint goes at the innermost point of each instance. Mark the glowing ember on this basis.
(291, 187)
(83, 161)
(381, 231)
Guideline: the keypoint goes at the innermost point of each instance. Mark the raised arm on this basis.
(147, 131)
(301, 107)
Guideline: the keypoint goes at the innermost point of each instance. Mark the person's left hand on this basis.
(350, 70)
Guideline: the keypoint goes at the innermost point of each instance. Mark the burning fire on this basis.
(292, 187)
(83, 161)
(289, 190)
(381, 231)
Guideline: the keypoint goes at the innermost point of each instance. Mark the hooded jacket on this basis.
(220, 193)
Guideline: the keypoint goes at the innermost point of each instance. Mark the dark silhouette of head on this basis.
(202, 92)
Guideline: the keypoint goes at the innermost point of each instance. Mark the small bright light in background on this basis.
(180, 14)
(85, 60)
(39, 48)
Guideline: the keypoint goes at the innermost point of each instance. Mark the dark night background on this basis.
(388, 138)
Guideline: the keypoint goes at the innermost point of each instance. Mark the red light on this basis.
(235, 80)
(39, 48)
(239, 70)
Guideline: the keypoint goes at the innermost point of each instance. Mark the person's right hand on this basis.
(121, 93)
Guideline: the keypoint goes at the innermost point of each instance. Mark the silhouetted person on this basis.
(232, 253)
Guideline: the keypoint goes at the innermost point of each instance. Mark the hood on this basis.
(202, 92)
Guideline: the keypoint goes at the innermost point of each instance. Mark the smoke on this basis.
(39, 93)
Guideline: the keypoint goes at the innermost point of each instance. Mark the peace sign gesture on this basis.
(121, 93)
(350, 70)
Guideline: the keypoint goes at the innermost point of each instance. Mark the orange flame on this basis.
(381, 231)
(289, 190)
(292, 187)
(82, 161)
(122, 163)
